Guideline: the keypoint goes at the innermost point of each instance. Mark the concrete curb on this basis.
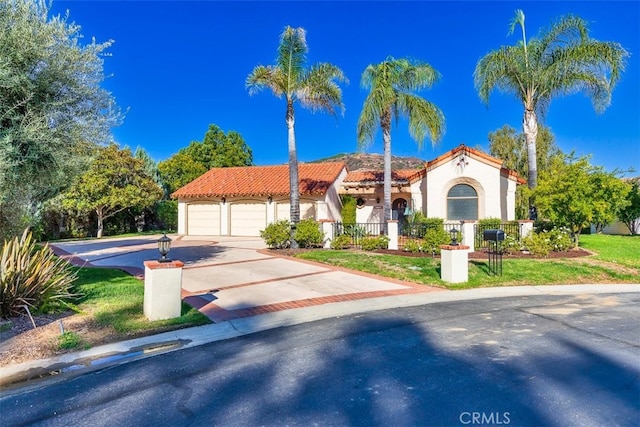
(43, 372)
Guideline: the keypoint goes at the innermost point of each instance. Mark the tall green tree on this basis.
(576, 194)
(52, 108)
(115, 181)
(391, 85)
(630, 214)
(561, 61)
(216, 150)
(315, 88)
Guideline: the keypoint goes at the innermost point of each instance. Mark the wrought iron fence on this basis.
(357, 231)
(511, 230)
(418, 231)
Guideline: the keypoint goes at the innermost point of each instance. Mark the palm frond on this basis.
(265, 77)
(292, 55)
(318, 88)
(424, 117)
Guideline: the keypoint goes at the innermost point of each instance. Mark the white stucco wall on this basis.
(182, 216)
(332, 199)
(484, 178)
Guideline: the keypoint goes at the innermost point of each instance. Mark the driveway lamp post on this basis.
(454, 236)
(164, 246)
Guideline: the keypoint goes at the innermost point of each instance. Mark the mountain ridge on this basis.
(366, 161)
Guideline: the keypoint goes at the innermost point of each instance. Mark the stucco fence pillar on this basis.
(468, 229)
(327, 228)
(454, 263)
(526, 228)
(162, 289)
(392, 234)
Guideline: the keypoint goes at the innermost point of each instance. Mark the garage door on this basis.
(247, 219)
(203, 219)
(307, 210)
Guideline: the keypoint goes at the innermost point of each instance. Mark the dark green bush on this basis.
(308, 234)
(276, 235)
(348, 209)
(489, 224)
(32, 276)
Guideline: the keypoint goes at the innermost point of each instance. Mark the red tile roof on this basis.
(463, 150)
(314, 178)
(375, 176)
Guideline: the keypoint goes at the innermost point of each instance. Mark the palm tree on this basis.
(315, 88)
(562, 61)
(391, 96)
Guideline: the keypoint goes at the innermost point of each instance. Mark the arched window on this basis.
(462, 202)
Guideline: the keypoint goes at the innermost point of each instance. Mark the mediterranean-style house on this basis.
(462, 184)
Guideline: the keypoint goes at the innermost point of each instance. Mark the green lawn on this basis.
(115, 298)
(623, 250)
(617, 262)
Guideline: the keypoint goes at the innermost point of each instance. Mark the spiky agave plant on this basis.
(32, 276)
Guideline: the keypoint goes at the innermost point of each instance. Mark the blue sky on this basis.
(177, 67)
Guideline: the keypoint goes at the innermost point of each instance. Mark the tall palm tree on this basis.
(315, 88)
(391, 96)
(561, 61)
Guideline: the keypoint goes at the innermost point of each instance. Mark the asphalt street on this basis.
(552, 360)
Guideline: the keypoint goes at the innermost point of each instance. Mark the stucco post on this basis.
(327, 228)
(526, 227)
(468, 229)
(162, 289)
(392, 234)
(454, 266)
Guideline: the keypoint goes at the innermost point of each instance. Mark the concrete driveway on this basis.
(233, 277)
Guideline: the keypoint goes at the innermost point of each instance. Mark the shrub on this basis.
(308, 234)
(560, 239)
(413, 246)
(32, 276)
(538, 244)
(433, 238)
(276, 234)
(341, 241)
(511, 244)
(371, 243)
(489, 223)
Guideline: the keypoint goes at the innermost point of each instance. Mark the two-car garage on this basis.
(238, 218)
(243, 218)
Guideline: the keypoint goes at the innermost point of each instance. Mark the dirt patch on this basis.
(21, 342)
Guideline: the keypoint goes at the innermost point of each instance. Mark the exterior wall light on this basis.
(164, 246)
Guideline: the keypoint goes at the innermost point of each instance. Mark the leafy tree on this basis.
(630, 215)
(52, 108)
(391, 85)
(575, 194)
(562, 61)
(315, 88)
(179, 170)
(215, 151)
(610, 197)
(114, 182)
(510, 146)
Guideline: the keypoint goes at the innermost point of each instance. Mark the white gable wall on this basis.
(484, 178)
